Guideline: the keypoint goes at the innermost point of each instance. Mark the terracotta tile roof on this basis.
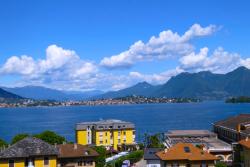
(75, 150)
(245, 143)
(185, 151)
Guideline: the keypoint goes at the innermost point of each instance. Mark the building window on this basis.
(119, 141)
(106, 141)
(80, 163)
(119, 133)
(133, 132)
(203, 164)
(101, 142)
(175, 165)
(46, 160)
(89, 163)
(124, 141)
(106, 133)
(124, 133)
(11, 163)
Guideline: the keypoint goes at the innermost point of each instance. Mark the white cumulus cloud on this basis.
(167, 44)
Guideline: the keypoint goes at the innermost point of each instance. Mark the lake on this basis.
(148, 118)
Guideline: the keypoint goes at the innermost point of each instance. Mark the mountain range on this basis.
(7, 95)
(42, 93)
(202, 85)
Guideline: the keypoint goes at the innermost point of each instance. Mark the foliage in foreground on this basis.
(100, 160)
(51, 137)
(220, 164)
(19, 137)
(3, 143)
(47, 136)
(154, 141)
(133, 157)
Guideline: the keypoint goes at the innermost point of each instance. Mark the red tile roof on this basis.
(185, 151)
(75, 150)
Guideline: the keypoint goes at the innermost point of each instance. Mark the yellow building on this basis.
(114, 134)
(29, 152)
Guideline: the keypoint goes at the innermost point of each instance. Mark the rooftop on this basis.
(245, 143)
(105, 124)
(197, 137)
(193, 133)
(29, 146)
(185, 151)
(75, 150)
(233, 122)
(150, 153)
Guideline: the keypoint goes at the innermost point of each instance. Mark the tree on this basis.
(2, 143)
(100, 160)
(19, 137)
(154, 141)
(220, 164)
(50, 137)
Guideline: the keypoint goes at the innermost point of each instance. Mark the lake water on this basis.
(148, 118)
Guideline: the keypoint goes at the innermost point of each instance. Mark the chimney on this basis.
(246, 138)
(165, 150)
(238, 128)
(75, 146)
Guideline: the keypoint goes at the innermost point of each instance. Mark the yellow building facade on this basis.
(109, 133)
(36, 162)
(29, 152)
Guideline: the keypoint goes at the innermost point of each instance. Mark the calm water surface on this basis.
(148, 118)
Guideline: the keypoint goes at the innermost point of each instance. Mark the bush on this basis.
(220, 164)
(19, 137)
(50, 137)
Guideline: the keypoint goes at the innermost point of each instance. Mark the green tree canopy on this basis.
(19, 137)
(50, 137)
(220, 164)
(154, 141)
(3, 143)
(100, 160)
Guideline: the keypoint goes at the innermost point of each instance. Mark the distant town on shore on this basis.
(232, 87)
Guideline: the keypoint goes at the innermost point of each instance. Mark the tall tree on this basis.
(19, 137)
(51, 137)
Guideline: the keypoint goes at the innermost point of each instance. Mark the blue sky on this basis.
(69, 44)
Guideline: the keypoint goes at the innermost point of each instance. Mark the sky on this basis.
(110, 44)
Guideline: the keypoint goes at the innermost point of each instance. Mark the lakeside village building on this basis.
(230, 143)
(33, 152)
(179, 155)
(113, 134)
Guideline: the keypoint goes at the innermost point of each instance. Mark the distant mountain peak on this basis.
(144, 83)
(241, 68)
